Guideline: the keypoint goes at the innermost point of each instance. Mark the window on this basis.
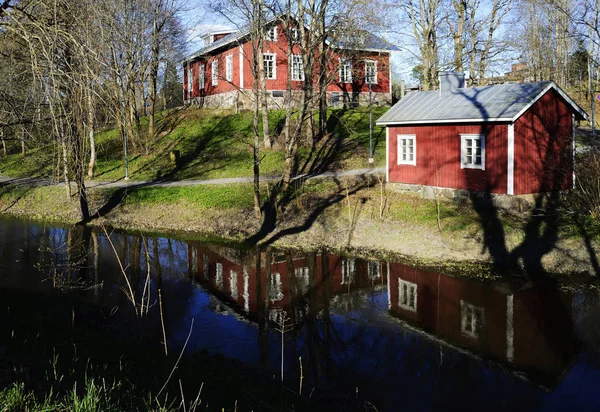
(373, 270)
(275, 287)
(219, 276)
(233, 287)
(205, 263)
(371, 72)
(302, 280)
(269, 60)
(215, 72)
(201, 77)
(229, 68)
(297, 68)
(348, 271)
(407, 295)
(345, 71)
(407, 149)
(271, 34)
(294, 35)
(472, 148)
(472, 319)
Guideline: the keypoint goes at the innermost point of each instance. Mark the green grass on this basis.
(201, 197)
(212, 144)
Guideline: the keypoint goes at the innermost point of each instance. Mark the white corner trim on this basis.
(510, 328)
(389, 290)
(510, 169)
(241, 68)
(387, 158)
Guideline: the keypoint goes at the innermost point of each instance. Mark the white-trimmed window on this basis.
(374, 270)
(407, 295)
(297, 68)
(472, 151)
(345, 71)
(348, 271)
(407, 149)
(229, 68)
(271, 34)
(275, 287)
(201, 77)
(294, 35)
(270, 69)
(472, 319)
(371, 72)
(215, 72)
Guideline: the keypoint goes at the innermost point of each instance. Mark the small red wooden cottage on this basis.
(220, 75)
(505, 139)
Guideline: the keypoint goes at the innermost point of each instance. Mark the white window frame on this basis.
(348, 271)
(410, 288)
(464, 139)
(474, 327)
(271, 34)
(374, 64)
(201, 77)
(298, 66)
(373, 270)
(229, 67)
(407, 137)
(345, 70)
(275, 287)
(295, 35)
(214, 68)
(272, 56)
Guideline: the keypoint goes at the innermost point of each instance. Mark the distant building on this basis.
(219, 74)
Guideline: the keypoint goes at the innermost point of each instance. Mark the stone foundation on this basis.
(242, 100)
(509, 203)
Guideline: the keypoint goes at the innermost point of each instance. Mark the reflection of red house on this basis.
(220, 73)
(506, 139)
(524, 328)
(313, 280)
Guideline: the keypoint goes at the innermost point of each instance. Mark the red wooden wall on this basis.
(543, 147)
(279, 48)
(438, 157)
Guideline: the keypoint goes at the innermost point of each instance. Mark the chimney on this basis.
(450, 82)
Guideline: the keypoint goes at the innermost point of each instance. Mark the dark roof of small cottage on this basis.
(496, 103)
(369, 42)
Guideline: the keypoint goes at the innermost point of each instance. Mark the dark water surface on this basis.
(407, 339)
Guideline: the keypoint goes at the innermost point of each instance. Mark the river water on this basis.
(402, 336)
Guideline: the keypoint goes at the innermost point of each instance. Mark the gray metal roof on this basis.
(371, 42)
(502, 102)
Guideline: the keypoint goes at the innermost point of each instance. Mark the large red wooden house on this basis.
(220, 74)
(508, 139)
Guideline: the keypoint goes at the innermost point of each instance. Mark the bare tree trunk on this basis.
(23, 147)
(91, 132)
(4, 151)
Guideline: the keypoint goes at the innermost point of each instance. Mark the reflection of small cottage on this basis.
(505, 139)
(525, 328)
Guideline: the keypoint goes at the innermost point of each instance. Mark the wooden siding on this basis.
(279, 49)
(438, 151)
(543, 147)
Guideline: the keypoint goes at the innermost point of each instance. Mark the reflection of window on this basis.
(233, 284)
(472, 319)
(194, 261)
(275, 287)
(271, 34)
(302, 280)
(407, 295)
(345, 71)
(371, 72)
(205, 266)
(297, 68)
(219, 276)
(472, 148)
(407, 149)
(201, 77)
(229, 68)
(246, 291)
(373, 270)
(215, 72)
(269, 60)
(348, 271)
